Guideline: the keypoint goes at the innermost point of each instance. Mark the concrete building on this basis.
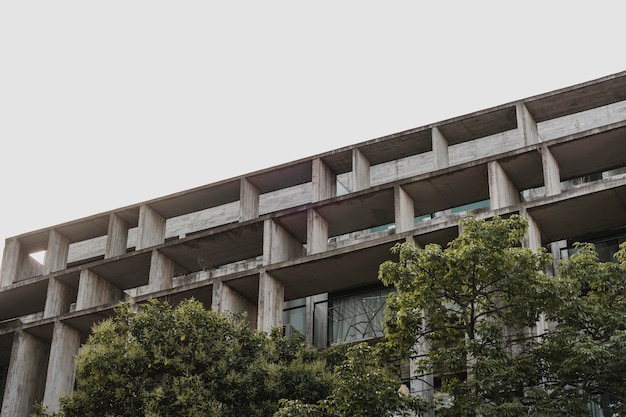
(299, 245)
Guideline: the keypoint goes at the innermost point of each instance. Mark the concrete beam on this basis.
(502, 191)
(551, 173)
(94, 291)
(117, 237)
(59, 298)
(248, 201)
(271, 302)
(317, 233)
(404, 209)
(360, 170)
(56, 253)
(324, 181)
(526, 125)
(26, 375)
(151, 229)
(61, 365)
(440, 149)
(161, 272)
(278, 244)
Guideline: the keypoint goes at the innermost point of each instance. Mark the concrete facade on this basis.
(313, 229)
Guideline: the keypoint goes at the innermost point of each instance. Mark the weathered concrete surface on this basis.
(61, 366)
(26, 376)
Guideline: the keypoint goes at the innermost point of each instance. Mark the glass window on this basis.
(294, 316)
(357, 317)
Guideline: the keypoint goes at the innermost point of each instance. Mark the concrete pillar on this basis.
(17, 264)
(317, 233)
(161, 272)
(551, 173)
(227, 300)
(440, 149)
(502, 191)
(557, 248)
(317, 320)
(278, 244)
(59, 298)
(248, 201)
(117, 237)
(324, 181)
(11, 261)
(56, 253)
(422, 385)
(94, 291)
(26, 375)
(404, 210)
(533, 237)
(151, 230)
(360, 170)
(61, 366)
(526, 125)
(271, 302)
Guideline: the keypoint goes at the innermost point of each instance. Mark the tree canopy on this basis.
(467, 314)
(189, 361)
(185, 360)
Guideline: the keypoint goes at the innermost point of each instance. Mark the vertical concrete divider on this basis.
(271, 302)
(61, 365)
(26, 376)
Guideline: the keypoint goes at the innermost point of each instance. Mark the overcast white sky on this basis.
(109, 103)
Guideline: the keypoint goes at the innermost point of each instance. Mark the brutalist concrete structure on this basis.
(297, 244)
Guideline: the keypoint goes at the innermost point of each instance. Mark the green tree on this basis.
(467, 314)
(585, 352)
(464, 312)
(363, 385)
(188, 361)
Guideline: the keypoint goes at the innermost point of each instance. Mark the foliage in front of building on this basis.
(488, 331)
(467, 314)
(189, 361)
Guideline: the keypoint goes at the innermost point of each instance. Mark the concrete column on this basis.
(440, 149)
(151, 230)
(324, 181)
(533, 237)
(11, 261)
(56, 253)
(61, 366)
(94, 291)
(317, 233)
(424, 385)
(551, 173)
(278, 244)
(271, 302)
(161, 272)
(248, 201)
(526, 125)
(227, 300)
(404, 210)
(117, 237)
(556, 248)
(317, 320)
(17, 264)
(360, 170)
(502, 191)
(59, 298)
(26, 375)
